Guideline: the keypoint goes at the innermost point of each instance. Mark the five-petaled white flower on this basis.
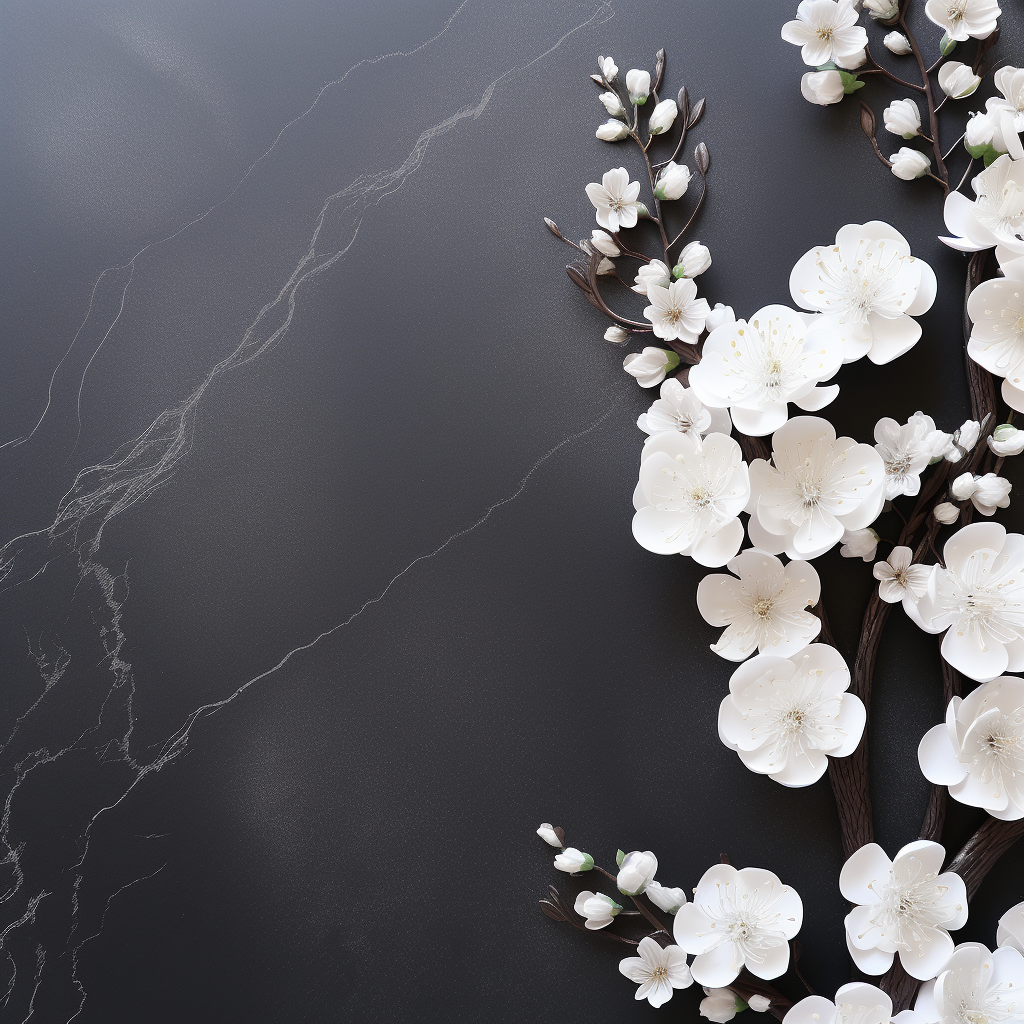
(975, 987)
(680, 409)
(964, 19)
(1010, 82)
(869, 287)
(598, 909)
(856, 1003)
(979, 751)
(756, 367)
(996, 309)
(899, 579)
(615, 199)
(655, 273)
(650, 366)
(676, 312)
(907, 450)
(978, 599)
(738, 918)
(819, 487)
(826, 30)
(996, 216)
(1010, 931)
(786, 716)
(765, 609)
(689, 497)
(904, 906)
(657, 971)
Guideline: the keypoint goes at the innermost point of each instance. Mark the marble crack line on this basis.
(109, 489)
(365, 62)
(40, 963)
(103, 919)
(177, 742)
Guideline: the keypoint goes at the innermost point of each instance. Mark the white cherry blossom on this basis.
(689, 497)
(860, 544)
(1010, 82)
(964, 19)
(650, 366)
(978, 600)
(738, 918)
(957, 80)
(1010, 931)
(680, 409)
(765, 609)
(655, 273)
(975, 987)
(756, 367)
(598, 909)
(869, 288)
(995, 217)
(904, 906)
(899, 579)
(979, 751)
(996, 309)
(909, 164)
(819, 487)
(993, 128)
(676, 312)
(907, 450)
(786, 716)
(615, 199)
(823, 88)
(826, 30)
(856, 1003)
(658, 971)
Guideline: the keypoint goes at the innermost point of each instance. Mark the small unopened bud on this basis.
(642, 211)
(947, 44)
(946, 513)
(963, 486)
(897, 42)
(759, 1004)
(616, 335)
(1006, 440)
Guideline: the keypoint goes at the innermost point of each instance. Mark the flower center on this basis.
(658, 973)
(810, 493)
(900, 576)
(826, 33)
(672, 315)
(701, 497)
(956, 10)
(908, 905)
(898, 465)
(763, 608)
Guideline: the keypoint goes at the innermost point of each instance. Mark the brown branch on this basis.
(926, 88)
(981, 852)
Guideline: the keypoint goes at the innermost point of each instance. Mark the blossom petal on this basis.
(852, 719)
(866, 869)
(973, 654)
(891, 338)
(803, 768)
(929, 958)
(715, 549)
(774, 962)
(694, 930)
(717, 967)
(926, 291)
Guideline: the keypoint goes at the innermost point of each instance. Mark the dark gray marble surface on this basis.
(319, 591)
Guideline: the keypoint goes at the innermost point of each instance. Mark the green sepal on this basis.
(827, 66)
(986, 152)
(991, 155)
(672, 360)
(588, 861)
(740, 1005)
(946, 44)
(851, 83)
(619, 858)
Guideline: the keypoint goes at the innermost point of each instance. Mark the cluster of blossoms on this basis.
(711, 489)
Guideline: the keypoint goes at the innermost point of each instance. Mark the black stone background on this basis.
(352, 837)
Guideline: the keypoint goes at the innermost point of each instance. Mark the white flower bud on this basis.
(612, 131)
(902, 118)
(651, 366)
(721, 314)
(636, 871)
(897, 42)
(549, 835)
(1006, 440)
(759, 1003)
(612, 104)
(664, 898)
(859, 544)
(693, 260)
(719, 1006)
(608, 68)
(851, 61)
(654, 273)
(946, 512)
(616, 335)
(991, 492)
(572, 861)
(598, 909)
(964, 440)
(603, 242)
(909, 164)
(673, 181)
(662, 117)
(605, 267)
(822, 87)
(962, 487)
(638, 85)
(882, 10)
(957, 80)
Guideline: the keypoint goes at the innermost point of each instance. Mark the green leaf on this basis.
(851, 83)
